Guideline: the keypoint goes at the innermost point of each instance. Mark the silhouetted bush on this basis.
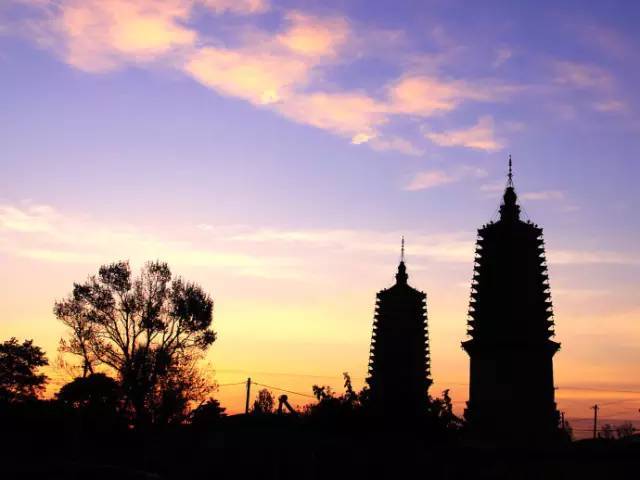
(97, 402)
(207, 414)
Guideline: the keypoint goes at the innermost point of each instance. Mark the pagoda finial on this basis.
(401, 276)
(509, 210)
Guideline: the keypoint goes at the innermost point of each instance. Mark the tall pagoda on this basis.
(510, 326)
(399, 357)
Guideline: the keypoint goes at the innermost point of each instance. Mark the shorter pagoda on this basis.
(399, 356)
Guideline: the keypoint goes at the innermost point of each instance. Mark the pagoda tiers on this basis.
(510, 326)
(399, 356)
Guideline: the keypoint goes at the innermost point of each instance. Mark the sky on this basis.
(276, 152)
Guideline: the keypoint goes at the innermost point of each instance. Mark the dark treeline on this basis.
(139, 406)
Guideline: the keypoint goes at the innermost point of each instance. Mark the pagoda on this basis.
(399, 355)
(510, 325)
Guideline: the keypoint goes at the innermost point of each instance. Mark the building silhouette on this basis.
(510, 326)
(399, 356)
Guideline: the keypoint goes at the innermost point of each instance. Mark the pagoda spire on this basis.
(510, 210)
(401, 276)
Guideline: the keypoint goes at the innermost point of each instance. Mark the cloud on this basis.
(240, 7)
(610, 106)
(273, 68)
(30, 219)
(287, 69)
(593, 257)
(443, 247)
(277, 71)
(429, 179)
(435, 178)
(582, 75)
(493, 188)
(427, 95)
(98, 36)
(312, 38)
(259, 78)
(502, 55)
(481, 136)
(40, 232)
(44, 234)
(351, 114)
(396, 144)
(543, 195)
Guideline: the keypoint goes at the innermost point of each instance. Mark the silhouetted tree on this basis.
(207, 414)
(625, 429)
(150, 330)
(96, 391)
(568, 430)
(441, 410)
(337, 407)
(97, 400)
(265, 403)
(607, 432)
(19, 362)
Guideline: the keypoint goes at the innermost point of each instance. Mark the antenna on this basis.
(402, 250)
(510, 176)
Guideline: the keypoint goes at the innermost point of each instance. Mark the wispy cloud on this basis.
(582, 75)
(286, 69)
(429, 179)
(480, 136)
(610, 106)
(45, 234)
(435, 178)
(395, 143)
(502, 55)
(98, 36)
(592, 257)
(543, 195)
(426, 95)
(40, 232)
(241, 7)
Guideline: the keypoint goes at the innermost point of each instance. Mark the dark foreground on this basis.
(278, 448)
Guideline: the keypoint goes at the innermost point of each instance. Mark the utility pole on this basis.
(562, 419)
(246, 405)
(595, 420)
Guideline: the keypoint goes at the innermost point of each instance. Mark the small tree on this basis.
(96, 392)
(441, 410)
(19, 362)
(97, 400)
(625, 430)
(150, 331)
(207, 414)
(337, 408)
(607, 432)
(568, 430)
(264, 404)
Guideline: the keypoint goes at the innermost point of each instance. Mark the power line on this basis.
(594, 389)
(284, 390)
(230, 384)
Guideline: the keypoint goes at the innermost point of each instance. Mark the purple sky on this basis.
(276, 151)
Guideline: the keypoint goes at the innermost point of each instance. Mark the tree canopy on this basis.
(150, 330)
(19, 362)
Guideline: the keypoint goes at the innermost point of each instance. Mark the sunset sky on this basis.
(276, 152)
